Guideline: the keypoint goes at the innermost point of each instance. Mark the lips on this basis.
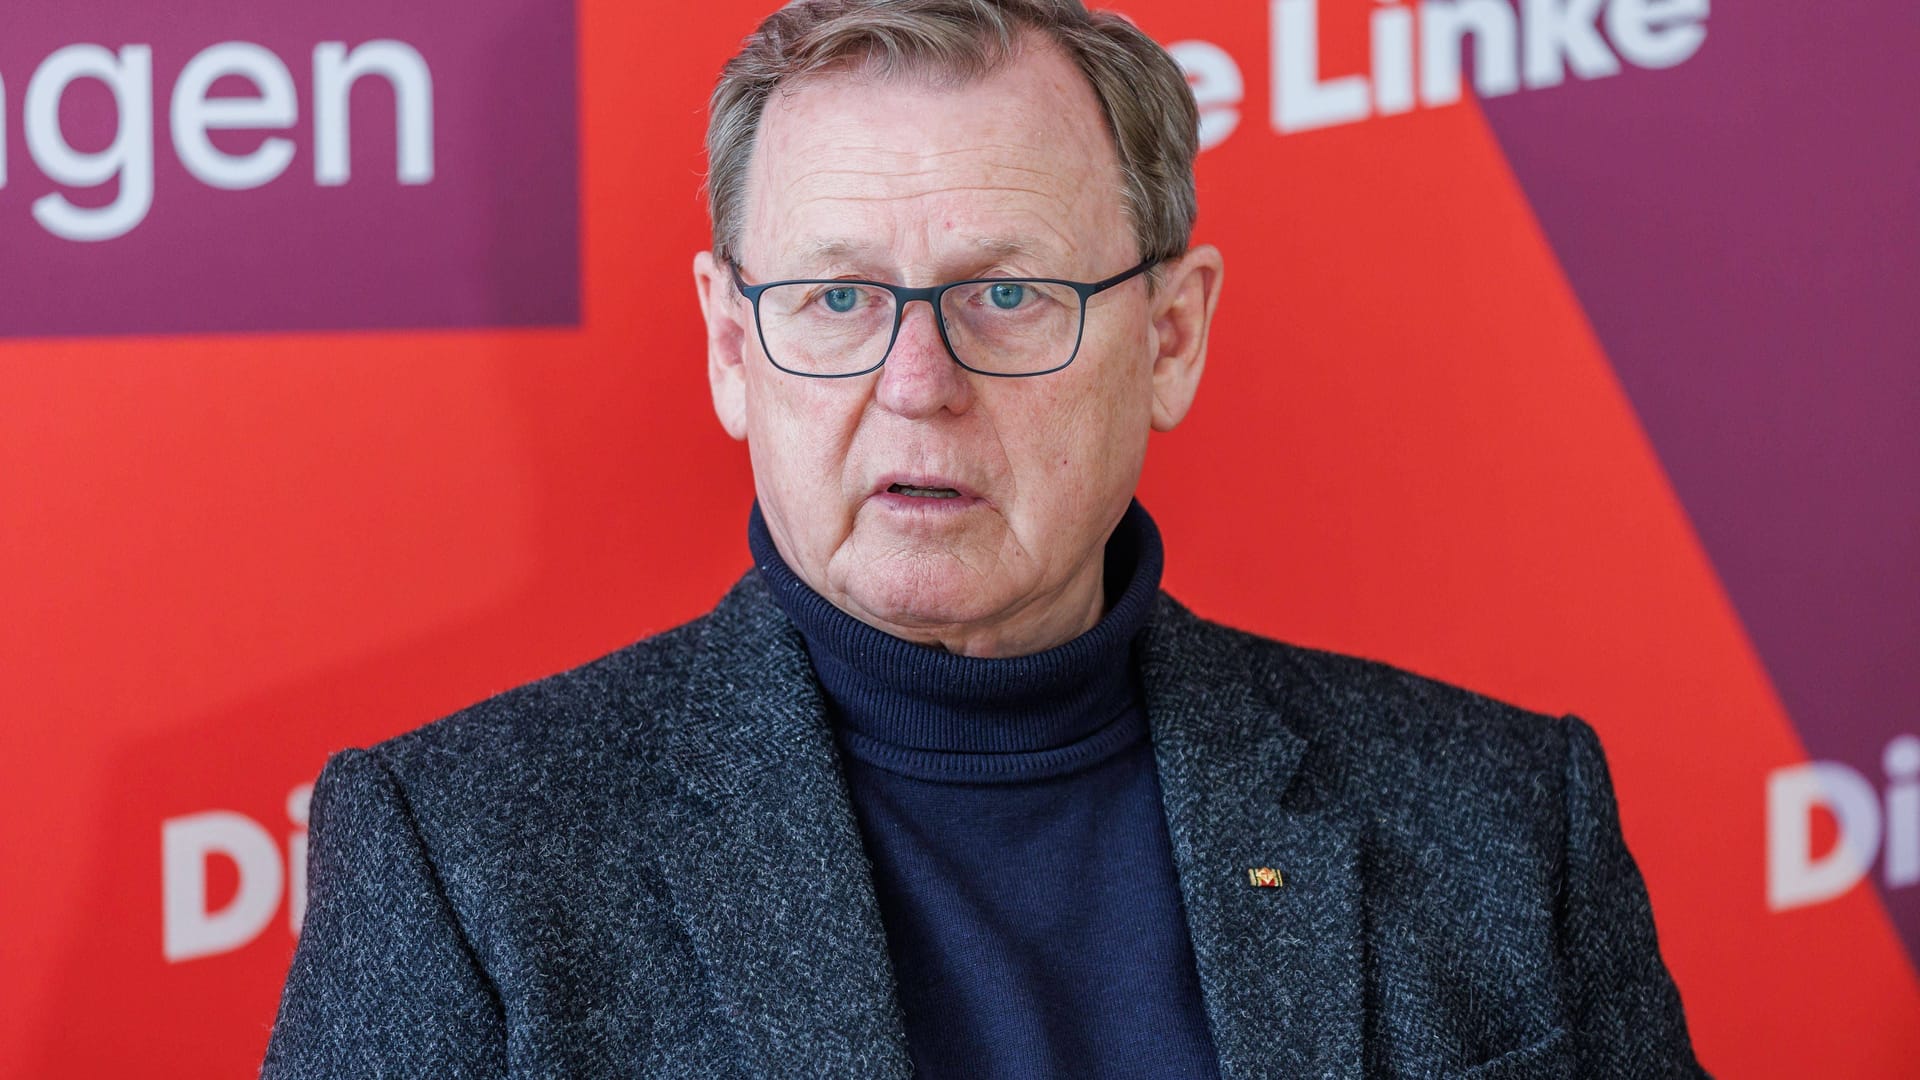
(925, 492)
(923, 486)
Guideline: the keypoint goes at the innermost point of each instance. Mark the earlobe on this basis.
(1183, 315)
(726, 344)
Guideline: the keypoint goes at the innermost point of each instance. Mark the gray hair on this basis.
(1149, 107)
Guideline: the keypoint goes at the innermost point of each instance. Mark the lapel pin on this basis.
(1264, 877)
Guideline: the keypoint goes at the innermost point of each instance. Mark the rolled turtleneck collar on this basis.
(932, 703)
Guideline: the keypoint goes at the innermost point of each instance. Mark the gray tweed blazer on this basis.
(649, 867)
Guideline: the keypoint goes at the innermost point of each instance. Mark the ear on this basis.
(1182, 312)
(727, 336)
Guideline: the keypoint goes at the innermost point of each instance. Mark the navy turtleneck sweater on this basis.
(1012, 814)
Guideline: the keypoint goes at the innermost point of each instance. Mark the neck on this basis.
(934, 699)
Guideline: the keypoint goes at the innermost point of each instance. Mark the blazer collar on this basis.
(1280, 967)
(767, 870)
(764, 860)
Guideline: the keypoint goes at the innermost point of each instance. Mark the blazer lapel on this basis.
(1280, 968)
(765, 862)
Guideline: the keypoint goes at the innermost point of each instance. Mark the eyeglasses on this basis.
(839, 328)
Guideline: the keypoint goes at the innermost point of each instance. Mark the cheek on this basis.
(1113, 399)
(1127, 392)
(1081, 444)
(798, 432)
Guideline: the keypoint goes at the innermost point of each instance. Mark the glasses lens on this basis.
(826, 328)
(1012, 327)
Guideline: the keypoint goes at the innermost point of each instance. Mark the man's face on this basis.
(920, 184)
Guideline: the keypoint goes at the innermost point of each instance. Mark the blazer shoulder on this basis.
(579, 736)
(1377, 715)
(532, 794)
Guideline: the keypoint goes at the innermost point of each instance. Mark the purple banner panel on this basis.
(269, 165)
(1744, 232)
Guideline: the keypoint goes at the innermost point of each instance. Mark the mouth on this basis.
(923, 492)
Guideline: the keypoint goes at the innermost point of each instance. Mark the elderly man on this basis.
(946, 784)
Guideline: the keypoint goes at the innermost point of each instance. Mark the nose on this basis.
(920, 377)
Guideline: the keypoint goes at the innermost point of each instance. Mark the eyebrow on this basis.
(829, 247)
(839, 248)
(1005, 245)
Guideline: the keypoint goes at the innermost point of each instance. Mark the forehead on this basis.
(852, 169)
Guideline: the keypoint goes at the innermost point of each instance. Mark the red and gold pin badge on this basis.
(1264, 877)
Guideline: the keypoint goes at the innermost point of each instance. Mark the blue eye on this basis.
(1006, 297)
(842, 300)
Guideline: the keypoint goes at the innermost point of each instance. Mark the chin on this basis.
(921, 597)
